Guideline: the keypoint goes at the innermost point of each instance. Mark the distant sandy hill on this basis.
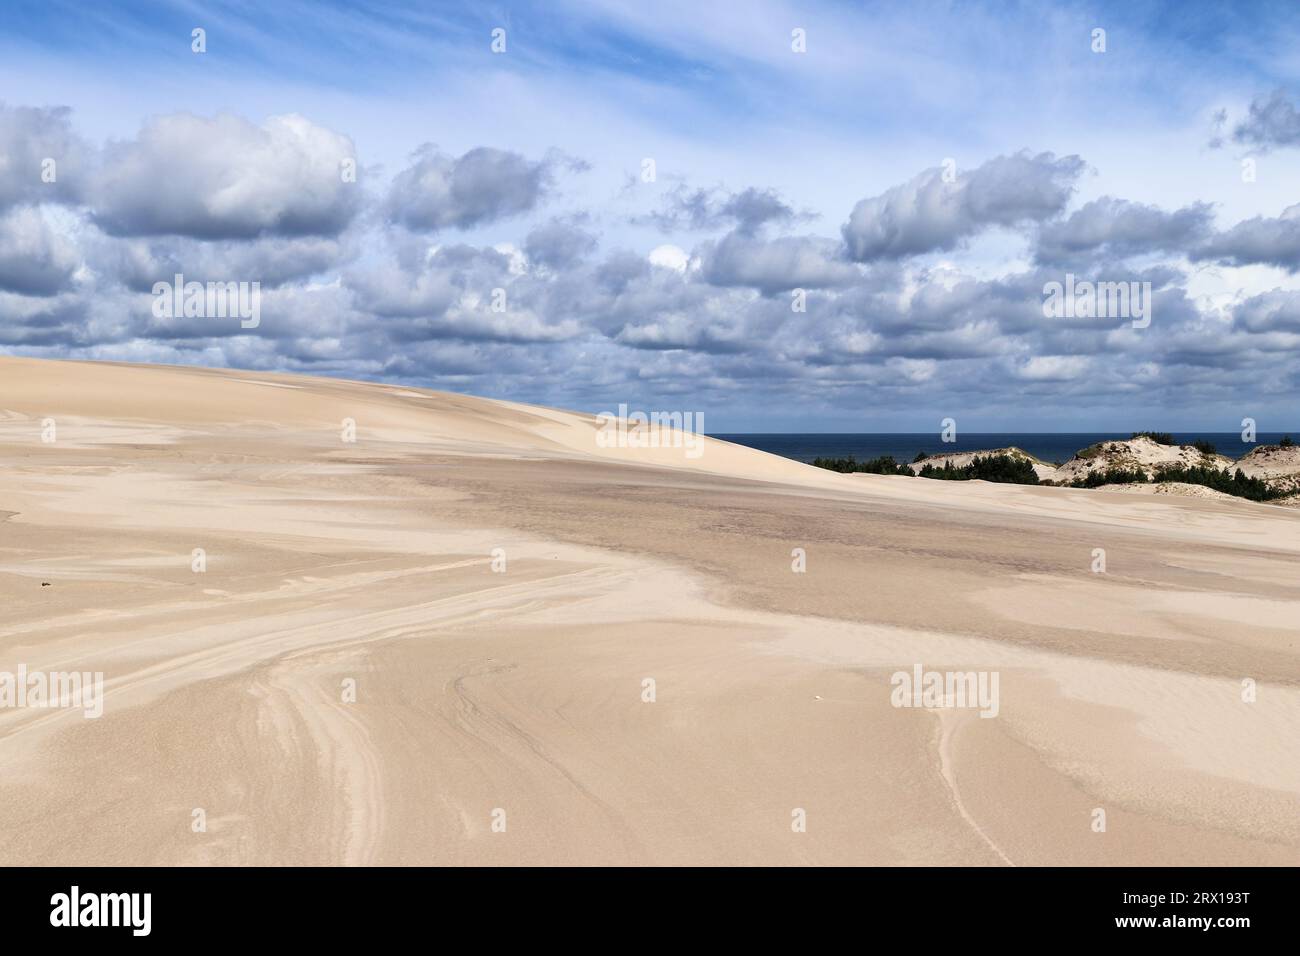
(1277, 465)
(1135, 454)
(1042, 469)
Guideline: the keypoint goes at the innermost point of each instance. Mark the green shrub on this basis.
(837, 464)
(1112, 476)
(1237, 484)
(1205, 447)
(1000, 468)
(884, 465)
(1286, 442)
(1233, 484)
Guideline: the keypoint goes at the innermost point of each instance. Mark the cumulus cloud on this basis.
(1272, 122)
(776, 265)
(34, 259)
(928, 214)
(438, 191)
(41, 159)
(367, 284)
(658, 307)
(47, 323)
(1120, 228)
(272, 261)
(1275, 311)
(226, 178)
(558, 245)
(461, 291)
(297, 322)
(391, 291)
(1262, 240)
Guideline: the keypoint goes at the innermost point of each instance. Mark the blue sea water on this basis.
(1049, 446)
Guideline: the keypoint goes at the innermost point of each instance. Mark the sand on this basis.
(351, 682)
(1277, 465)
(1181, 488)
(1136, 454)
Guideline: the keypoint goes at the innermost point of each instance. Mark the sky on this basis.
(786, 217)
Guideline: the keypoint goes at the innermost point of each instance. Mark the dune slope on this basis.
(474, 635)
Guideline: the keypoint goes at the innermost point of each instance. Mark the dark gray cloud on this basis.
(274, 261)
(1275, 311)
(1120, 228)
(1262, 240)
(776, 265)
(559, 245)
(438, 191)
(56, 323)
(700, 210)
(619, 270)
(928, 214)
(37, 146)
(1272, 122)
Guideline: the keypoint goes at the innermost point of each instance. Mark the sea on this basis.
(1053, 447)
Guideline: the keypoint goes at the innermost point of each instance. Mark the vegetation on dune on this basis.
(1092, 451)
(884, 465)
(1160, 438)
(1002, 468)
(1112, 476)
(1237, 484)
(1286, 442)
(1014, 469)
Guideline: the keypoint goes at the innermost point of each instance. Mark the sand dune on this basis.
(1276, 464)
(355, 678)
(1140, 453)
(1042, 469)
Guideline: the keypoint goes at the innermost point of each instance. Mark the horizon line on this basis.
(1176, 431)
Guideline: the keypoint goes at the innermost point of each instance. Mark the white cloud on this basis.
(226, 178)
(668, 256)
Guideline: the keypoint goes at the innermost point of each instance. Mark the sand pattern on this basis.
(475, 636)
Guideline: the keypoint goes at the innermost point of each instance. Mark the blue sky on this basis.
(775, 171)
